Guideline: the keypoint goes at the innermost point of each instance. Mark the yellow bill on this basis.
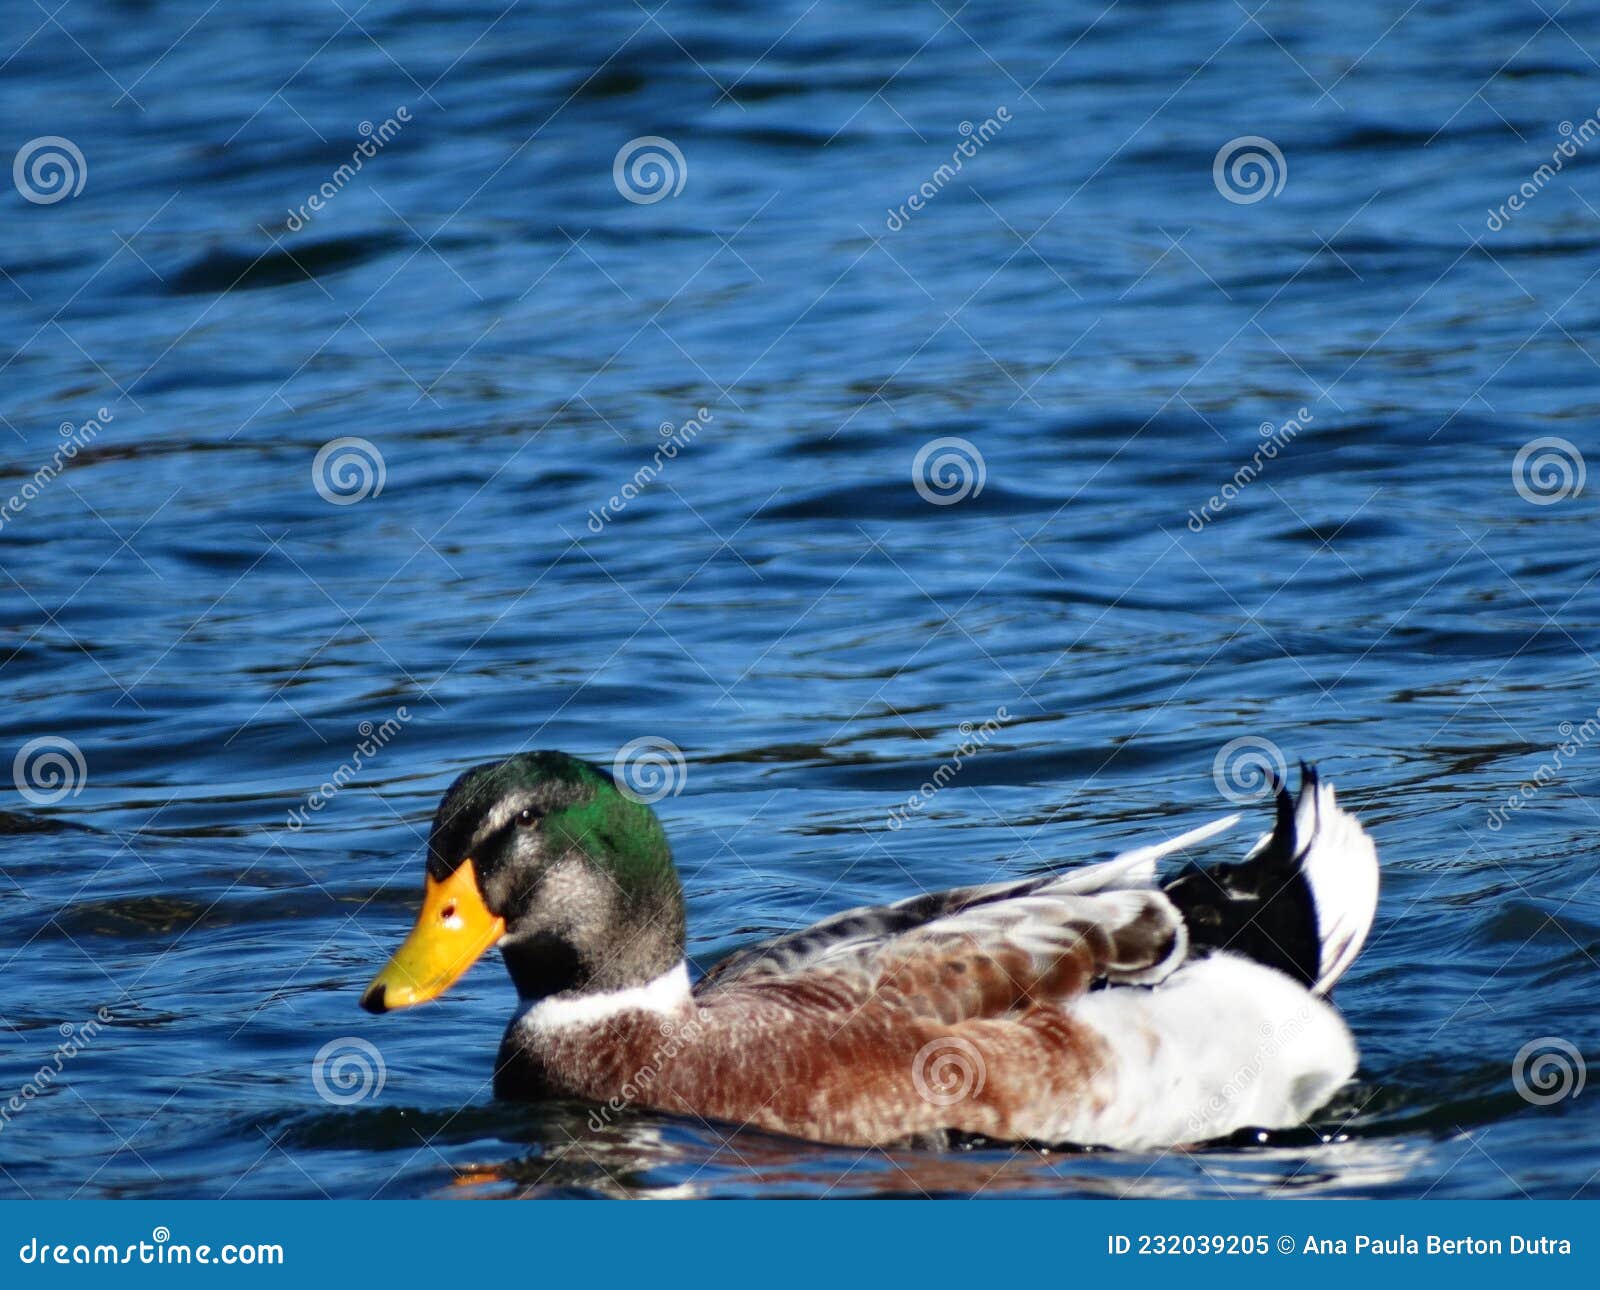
(453, 930)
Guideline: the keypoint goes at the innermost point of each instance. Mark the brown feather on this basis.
(957, 1024)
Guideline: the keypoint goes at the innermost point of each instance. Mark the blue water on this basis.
(1079, 302)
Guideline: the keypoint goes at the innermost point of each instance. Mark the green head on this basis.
(545, 856)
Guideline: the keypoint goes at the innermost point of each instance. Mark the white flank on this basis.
(1223, 1044)
(666, 994)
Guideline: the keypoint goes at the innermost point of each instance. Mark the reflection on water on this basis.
(651, 1158)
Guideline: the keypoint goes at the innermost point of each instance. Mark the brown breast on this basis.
(817, 1058)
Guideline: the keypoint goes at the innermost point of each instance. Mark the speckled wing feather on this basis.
(993, 958)
(1003, 955)
(868, 927)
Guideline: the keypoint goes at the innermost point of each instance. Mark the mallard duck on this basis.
(1096, 1006)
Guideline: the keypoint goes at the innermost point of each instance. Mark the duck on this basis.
(1097, 1006)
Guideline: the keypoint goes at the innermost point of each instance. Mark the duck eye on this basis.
(529, 816)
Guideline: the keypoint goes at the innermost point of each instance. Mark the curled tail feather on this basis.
(1302, 901)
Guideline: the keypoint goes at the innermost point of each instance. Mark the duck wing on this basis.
(1013, 919)
(1008, 955)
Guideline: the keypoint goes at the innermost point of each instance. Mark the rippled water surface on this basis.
(1105, 322)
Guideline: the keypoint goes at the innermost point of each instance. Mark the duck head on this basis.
(543, 855)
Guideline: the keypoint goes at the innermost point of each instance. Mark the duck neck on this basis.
(662, 996)
(592, 934)
(547, 963)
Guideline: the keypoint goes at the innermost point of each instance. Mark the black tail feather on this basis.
(1262, 907)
